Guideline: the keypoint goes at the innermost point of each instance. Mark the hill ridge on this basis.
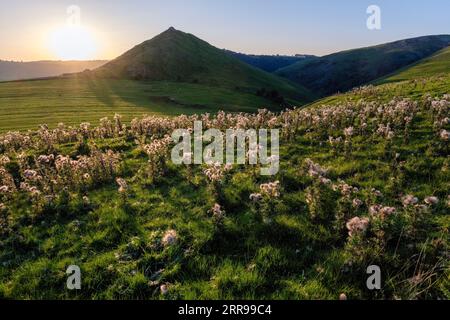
(347, 69)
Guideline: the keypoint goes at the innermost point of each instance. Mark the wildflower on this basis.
(34, 191)
(334, 141)
(357, 203)
(409, 200)
(345, 189)
(444, 135)
(315, 170)
(431, 200)
(86, 200)
(217, 212)
(169, 238)
(214, 172)
(4, 189)
(380, 211)
(270, 189)
(357, 225)
(387, 211)
(324, 180)
(342, 297)
(4, 160)
(43, 159)
(24, 186)
(30, 174)
(164, 289)
(255, 197)
(374, 210)
(2, 207)
(376, 193)
(348, 132)
(122, 185)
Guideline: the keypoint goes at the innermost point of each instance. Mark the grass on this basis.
(293, 258)
(28, 104)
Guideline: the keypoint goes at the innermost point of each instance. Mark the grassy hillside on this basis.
(14, 70)
(438, 64)
(27, 104)
(364, 180)
(430, 75)
(344, 70)
(177, 56)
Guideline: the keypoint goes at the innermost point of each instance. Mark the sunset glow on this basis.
(72, 43)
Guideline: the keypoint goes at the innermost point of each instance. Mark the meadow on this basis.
(363, 181)
(25, 105)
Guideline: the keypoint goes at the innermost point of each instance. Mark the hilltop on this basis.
(182, 57)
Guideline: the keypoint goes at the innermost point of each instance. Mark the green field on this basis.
(292, 246)
(27, 104)
(304, 252)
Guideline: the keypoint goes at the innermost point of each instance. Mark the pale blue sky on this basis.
(252, 26)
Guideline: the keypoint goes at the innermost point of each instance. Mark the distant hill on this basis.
(269, 63)
(14, 70)
(342, 71)
(181, 57)
(437, 64)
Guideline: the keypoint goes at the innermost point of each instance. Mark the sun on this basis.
(72, 43)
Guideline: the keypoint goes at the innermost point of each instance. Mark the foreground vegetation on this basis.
(363, 180)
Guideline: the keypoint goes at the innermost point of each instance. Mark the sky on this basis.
(35, 30)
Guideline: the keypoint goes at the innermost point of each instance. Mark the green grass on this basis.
(27, 104)
(294, 257)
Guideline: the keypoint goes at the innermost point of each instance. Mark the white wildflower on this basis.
(169, 238)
